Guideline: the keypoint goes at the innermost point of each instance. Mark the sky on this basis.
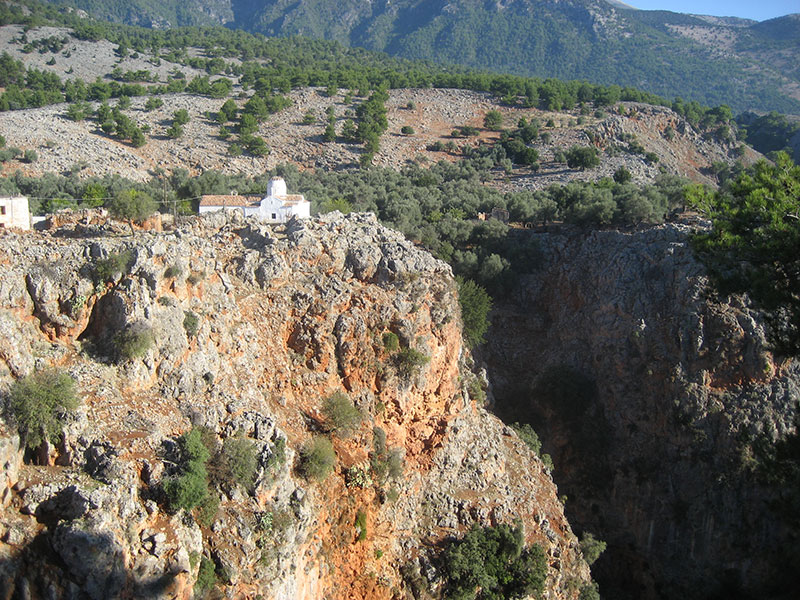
(760, 10)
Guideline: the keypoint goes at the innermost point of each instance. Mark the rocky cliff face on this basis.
(252, 326)
(649, 393)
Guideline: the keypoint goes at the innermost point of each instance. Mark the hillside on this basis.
(746, 65)
(63, 145)
(624, 134)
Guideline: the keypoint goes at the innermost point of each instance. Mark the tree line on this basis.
(283, 64)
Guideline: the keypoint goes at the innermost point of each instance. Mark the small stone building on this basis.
(276, 207)
(14, 212)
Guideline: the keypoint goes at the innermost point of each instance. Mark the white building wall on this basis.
(208, 209)
(272, 210)
(14, 212)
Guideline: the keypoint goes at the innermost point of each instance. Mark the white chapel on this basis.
(277, 206)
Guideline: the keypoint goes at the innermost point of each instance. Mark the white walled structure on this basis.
(276, 207)
(14, 212)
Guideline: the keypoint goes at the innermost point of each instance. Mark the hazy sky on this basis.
(760, 10)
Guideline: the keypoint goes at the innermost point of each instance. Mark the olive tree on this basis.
(132, 205)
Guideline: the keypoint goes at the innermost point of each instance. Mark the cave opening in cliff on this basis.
(99, 331)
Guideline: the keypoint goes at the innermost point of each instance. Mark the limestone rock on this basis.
(284, 316)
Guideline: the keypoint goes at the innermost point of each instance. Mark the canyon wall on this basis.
(650, 393)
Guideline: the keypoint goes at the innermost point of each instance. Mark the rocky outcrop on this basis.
(250, 328)
(650, 393)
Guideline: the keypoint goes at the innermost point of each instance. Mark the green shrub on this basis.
(39, 403)
(548, 461)
(528, 435)
(390, 341)
(361, 525)
(191, 323)
(208, 509)
(384, 462)
(341, 415)
(317, 458)
(116, 264)
(493, 561)
(173, 272)
(622, 175)
(153, 103)
(180, 117)
(206, 577)
(238, 462)
(651, 158)
(394, 463)
(31, 156)
(196, 277)
(407, 130)
(134, 342)
(582, 157)
(278, 456)
(591, 547)
(174, 131)
(409, 362)
(190, 487)
(193, 445)
(590, 592)
(752, 246)
(493, 120)
(476, 391)
(132, 205)
(340, 204)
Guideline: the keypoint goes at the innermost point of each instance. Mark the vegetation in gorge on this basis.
(752, 245)
(492, 563)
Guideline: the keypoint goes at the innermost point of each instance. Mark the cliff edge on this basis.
(247, 330)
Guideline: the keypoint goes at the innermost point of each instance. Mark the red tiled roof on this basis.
(228, 200)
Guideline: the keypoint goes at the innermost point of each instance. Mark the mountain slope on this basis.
(710, 60)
